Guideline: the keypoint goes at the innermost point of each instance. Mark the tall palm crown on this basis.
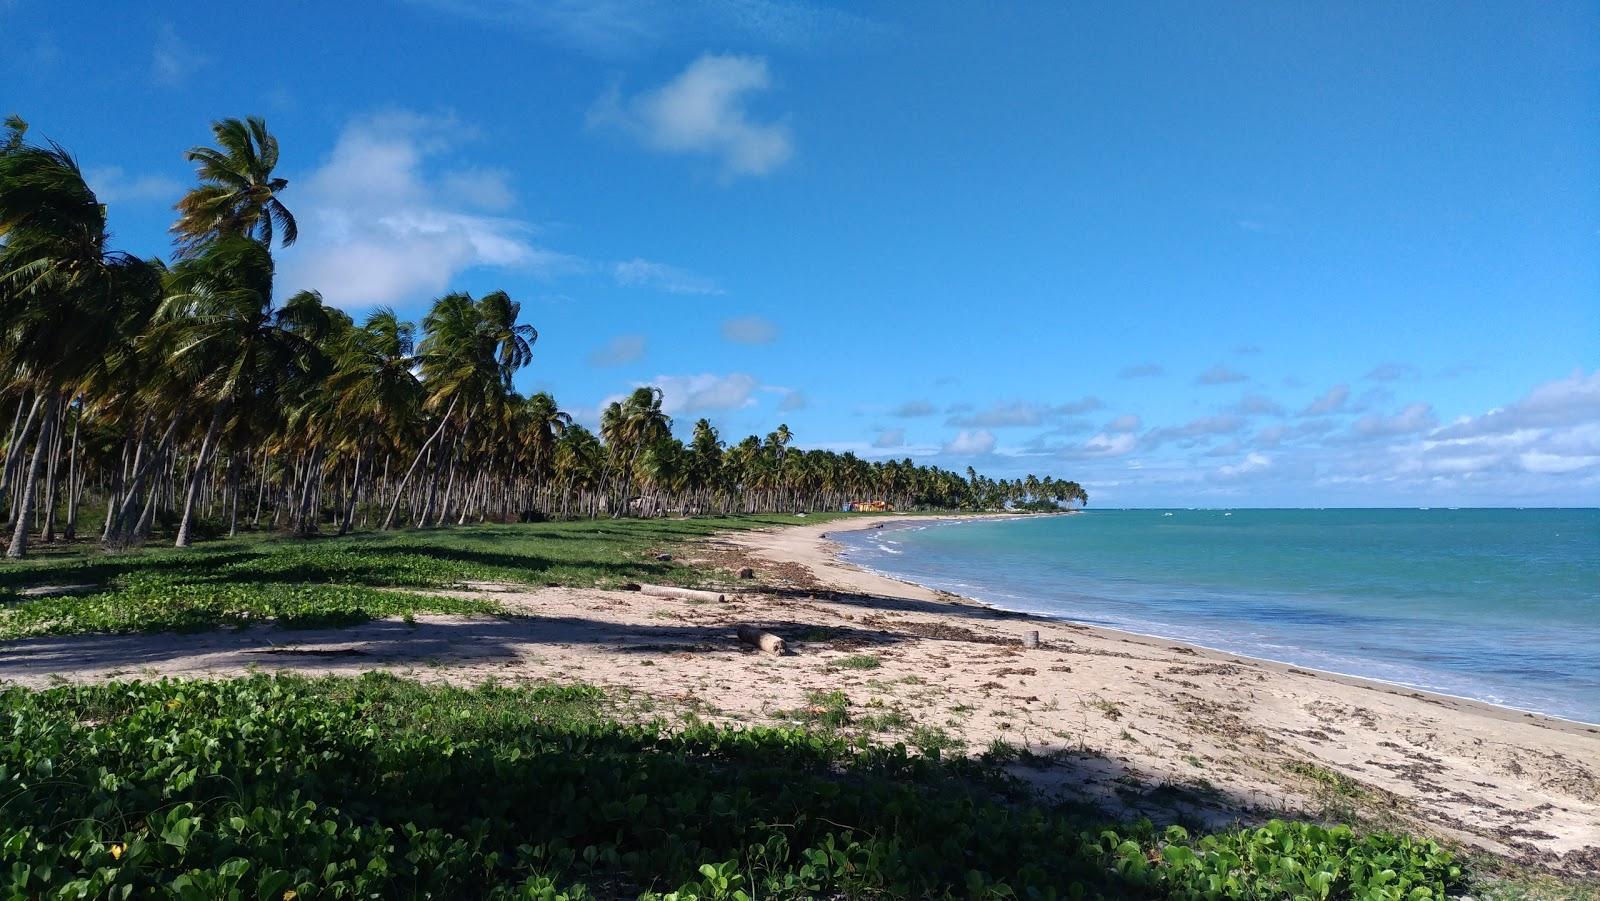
(237, 194)
(61, 286)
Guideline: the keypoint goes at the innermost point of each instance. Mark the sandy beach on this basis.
(1128, 723)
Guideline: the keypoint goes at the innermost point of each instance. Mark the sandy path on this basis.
(1135, 724)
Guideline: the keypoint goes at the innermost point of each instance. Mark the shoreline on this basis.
(1516, 783)
(837, 550)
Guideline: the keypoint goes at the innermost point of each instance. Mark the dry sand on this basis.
(1129, 723)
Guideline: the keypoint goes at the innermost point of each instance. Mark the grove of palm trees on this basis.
(195, 396)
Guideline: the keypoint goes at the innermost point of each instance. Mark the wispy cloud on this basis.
(614, 28)
(749, 330)
(704, 112)
(644, 273)
(1141, 371)
(1391, 372)
(1020, 413)
(172, 60)
(1257, 405)
(113, 185)
(1220, 374)
(619, 350)
(914, 408)
(1332, 401)
(890, 438)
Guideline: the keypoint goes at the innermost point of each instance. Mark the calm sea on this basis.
(1497, 605)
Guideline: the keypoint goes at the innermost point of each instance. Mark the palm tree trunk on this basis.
(8, 477)
(399, 492)
(19, 535)
(207, 445)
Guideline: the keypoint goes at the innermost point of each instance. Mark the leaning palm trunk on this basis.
(400, 490)
(119, 532)
(207, 446)
(41, 449)
(19, 440)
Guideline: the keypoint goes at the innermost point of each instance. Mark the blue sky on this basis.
(1218, 254)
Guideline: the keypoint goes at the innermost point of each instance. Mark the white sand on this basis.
(1133, 723)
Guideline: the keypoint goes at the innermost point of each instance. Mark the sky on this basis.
(1253, 254)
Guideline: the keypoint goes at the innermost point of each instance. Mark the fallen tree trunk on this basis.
(766, 641)
(692, 594)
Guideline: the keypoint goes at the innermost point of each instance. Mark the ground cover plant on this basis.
(288, 788)
(331, 581)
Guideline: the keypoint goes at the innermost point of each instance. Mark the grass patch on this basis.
(934, 741)
(382, 787)
(335, 581)
(859, 661)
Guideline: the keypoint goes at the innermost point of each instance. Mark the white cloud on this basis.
(641, 273)
(1125, 423)
(1253, 464)
(112, 185)
(1108, 445)
(1563, 402)
(749, 330)
(705, 392)
(1410, 420)
(971, 443)
(377, 227)
(172, 60)
(619, 350)
(703, 112)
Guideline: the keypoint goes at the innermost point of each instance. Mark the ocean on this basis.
(1492, 604)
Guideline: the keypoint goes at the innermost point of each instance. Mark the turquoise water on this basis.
(1498, 605)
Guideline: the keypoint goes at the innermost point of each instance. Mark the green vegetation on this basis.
(859, 661)
(340, 580)
(339, 788)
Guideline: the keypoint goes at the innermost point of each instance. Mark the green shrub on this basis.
(381, 787)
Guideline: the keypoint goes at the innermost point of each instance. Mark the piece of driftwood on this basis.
(1030, 639)
(766, 641)
(692, 594)
(747, 573)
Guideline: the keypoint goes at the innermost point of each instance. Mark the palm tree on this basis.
(238, 194)
(61, 289)
(231, 342)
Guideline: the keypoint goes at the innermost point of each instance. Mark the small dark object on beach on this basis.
(663, 557)
(631, 586)
(747, 573)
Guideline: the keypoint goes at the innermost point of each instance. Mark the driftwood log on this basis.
(766, 641)
(691, 594)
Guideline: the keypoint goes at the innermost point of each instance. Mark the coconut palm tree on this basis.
(238, 194)
(61, 289)
(231, 340)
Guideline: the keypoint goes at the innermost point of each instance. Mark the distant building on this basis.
(868, 507)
